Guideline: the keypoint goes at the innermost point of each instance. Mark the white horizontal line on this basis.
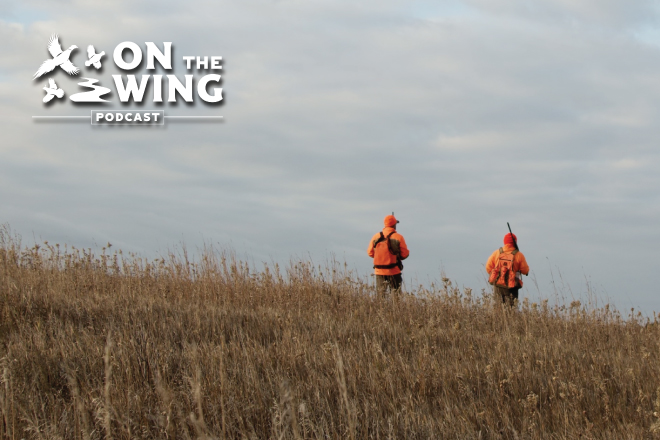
(74, 117)
(166, 116)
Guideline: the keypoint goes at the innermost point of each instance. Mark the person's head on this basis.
(508, 239)
(390, 221)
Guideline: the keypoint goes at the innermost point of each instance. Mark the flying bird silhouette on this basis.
(52, 90)
(94, 58)
(60, 58)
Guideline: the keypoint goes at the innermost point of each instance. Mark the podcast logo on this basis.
(128, 57)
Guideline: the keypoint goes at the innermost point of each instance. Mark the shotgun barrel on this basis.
(514, 239)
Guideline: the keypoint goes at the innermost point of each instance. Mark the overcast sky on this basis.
(459, 116)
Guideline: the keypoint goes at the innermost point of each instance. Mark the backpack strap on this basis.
(513, 252)
(385, 266)
(389, 243)
(381, 238)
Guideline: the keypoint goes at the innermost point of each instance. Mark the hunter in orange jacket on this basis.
(519, 265)
(388, 248)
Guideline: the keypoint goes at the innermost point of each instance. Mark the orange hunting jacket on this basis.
(381, 254)
(519, 262)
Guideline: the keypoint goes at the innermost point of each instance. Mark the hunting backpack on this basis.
(503, 274)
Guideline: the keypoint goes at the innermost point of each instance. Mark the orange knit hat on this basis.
(509, 238)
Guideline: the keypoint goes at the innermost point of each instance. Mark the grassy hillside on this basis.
(112, 346)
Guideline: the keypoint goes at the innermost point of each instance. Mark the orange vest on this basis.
(504, 274)
(385, 254)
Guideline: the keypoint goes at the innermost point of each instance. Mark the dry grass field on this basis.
(112, 346)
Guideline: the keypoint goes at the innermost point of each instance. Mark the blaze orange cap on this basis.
(508, 239)
(390, 220)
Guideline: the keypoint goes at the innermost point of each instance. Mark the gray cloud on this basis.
(580, 14)
(459, 119)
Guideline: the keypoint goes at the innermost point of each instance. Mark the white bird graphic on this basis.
(59, 59)
(94, 58)
(52, 90)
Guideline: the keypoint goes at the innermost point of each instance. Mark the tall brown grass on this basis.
(109, 346)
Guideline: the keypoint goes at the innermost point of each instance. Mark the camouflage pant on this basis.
(508, 295)
(385, 283)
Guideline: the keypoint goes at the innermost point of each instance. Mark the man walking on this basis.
(388, 248)
(505, 266)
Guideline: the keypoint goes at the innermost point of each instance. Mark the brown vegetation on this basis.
(107, 346)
